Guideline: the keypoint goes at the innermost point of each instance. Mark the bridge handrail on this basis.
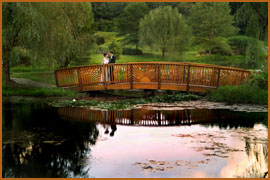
(175, 63)
(159, 75)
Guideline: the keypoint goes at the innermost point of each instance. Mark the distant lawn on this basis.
(43, 77)
(97, 58)
(190, 56)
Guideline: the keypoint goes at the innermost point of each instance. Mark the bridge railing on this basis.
(150, 75)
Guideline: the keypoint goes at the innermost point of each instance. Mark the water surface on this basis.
(41, 141)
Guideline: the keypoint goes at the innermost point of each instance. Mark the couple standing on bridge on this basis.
(108, 72)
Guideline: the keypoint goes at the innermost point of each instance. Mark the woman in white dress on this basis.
(104, 71)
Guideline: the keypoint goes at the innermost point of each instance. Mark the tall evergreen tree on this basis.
(211, 20)
(128, 22)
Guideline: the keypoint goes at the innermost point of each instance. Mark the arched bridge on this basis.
(183, 76)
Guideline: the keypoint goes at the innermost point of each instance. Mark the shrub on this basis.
(116, 48)
(131, 51)
(20, 56)
(239, 94)
(239, 44)
(100, 40)
(260, 80)
(38, 92)
(220, 46)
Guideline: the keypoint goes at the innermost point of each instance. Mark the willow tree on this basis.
(22, 26)
(58, 31)
(253, 16)
(165, 28)
(71, 32)
(211, 21)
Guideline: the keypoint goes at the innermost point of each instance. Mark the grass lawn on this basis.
(43, 77)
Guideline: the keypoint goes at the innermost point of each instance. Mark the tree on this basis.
(58, 31)
(129, 20)
(165, 29)
(71, 32)
(22, 26)
(210, 21)
(105, 14)
(254, 17)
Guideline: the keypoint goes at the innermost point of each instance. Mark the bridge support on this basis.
(188, 78)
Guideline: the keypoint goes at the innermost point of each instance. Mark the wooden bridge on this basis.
(183, 76)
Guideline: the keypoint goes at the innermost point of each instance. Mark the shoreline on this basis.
(180, 105)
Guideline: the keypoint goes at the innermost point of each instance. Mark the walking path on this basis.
(32, 83)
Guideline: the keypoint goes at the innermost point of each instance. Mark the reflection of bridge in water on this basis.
(143, 117)
(191, 77)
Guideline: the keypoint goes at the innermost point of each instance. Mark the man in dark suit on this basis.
(112, 61)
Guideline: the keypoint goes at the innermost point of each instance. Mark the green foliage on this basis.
(252, 17)
(128, 22)
(38, 92)
(165, 29)
(239, 94)
(254, 53)
(220, 46)
(20, 56)
(36, 75)
(99, 40)
(210, 20)
(105, 14)
(124, 104)
(260, 80)
(23, 68)
(240, 43)
(131, 51)
(116, 48)
(250, 47)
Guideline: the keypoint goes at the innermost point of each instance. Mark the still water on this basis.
(41, 141)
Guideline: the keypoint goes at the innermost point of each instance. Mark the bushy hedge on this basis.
(20, 56)
(116, 48)
(131, 51)
(260, 80)
(220, 46)
(240, 44)
(247, 94)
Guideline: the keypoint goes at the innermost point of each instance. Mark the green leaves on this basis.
(210, 20)
(165, 29)
(124, 104)
(239, 94)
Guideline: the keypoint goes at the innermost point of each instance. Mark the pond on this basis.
(42, 141)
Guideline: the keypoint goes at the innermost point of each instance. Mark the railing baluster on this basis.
(131, 76)
(218, 77)
(105, 67)
(158, 76)
(188, 78)
(80, 79)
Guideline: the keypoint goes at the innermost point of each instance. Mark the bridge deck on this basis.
(192, 77)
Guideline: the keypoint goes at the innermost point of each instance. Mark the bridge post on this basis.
(105, 75)
(80, 79)
(218, 77)
(188, 78)
(131, 76)
(159, 76)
